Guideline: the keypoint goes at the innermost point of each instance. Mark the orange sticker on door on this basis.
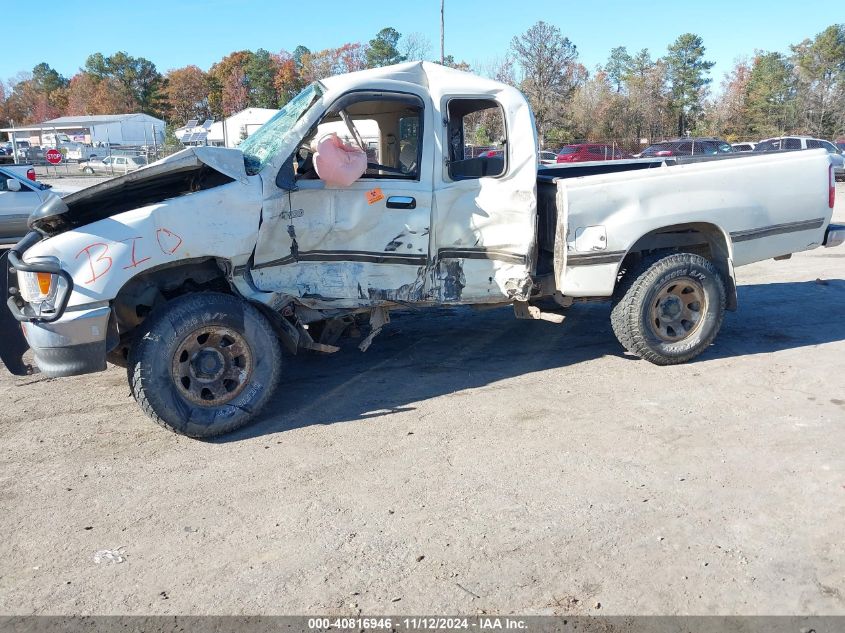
(374, 195)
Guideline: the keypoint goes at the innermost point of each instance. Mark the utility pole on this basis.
(14, 144)
(442, 49)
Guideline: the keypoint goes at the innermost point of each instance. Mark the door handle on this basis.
(401, 202)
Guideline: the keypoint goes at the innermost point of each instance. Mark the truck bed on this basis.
(547, 179)
(753, 195)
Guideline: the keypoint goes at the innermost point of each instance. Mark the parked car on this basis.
(35, 155)
(792, 143)
(688, 147)
(546, 158)
(113, 165)
(23, 148)
(583, 152)
(19, 197)
(747, 146)
(21, 171)
(840, 143)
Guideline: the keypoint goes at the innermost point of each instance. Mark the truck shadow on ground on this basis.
(428, 353)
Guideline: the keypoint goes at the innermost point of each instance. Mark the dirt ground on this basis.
(465, 464)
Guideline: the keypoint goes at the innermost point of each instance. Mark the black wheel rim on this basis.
(212, 365)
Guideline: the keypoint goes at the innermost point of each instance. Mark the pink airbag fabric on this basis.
(337, 163)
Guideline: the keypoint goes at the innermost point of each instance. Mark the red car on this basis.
(583, 152)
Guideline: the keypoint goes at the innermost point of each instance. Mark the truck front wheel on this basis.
(204, 364)
(669, 311)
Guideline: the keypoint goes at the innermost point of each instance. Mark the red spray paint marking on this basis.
(102, 257)
(168, 236)
(135, 262)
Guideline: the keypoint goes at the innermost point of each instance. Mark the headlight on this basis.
(41, 290)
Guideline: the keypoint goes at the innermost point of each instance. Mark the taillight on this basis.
(30, 173)
(831, 191)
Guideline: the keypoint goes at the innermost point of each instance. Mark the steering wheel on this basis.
(305, 160)
(303, 153)
(352, 129)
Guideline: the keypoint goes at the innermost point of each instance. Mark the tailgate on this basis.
(562, 204)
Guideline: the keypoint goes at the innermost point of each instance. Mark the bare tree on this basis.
(443, 32)
(415, 46)
(501, 69)
(728, 115)
(549, 73)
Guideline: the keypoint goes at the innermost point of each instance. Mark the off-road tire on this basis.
(152, 359)
(637, 296)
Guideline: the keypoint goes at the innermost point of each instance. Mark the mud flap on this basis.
(13, 345)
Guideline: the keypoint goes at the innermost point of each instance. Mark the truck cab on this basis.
(425, 223)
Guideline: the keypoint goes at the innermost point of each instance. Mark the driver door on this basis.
(368, 243)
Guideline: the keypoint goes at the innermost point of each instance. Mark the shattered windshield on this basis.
(259, 148)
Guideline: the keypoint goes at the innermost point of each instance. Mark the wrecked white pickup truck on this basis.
(190, 272)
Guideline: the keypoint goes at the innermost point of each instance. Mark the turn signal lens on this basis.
(39, 287)
(45, 280)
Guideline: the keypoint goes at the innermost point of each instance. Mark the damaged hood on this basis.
(229, 162)
(192, 169)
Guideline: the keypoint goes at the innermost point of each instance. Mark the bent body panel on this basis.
(102, 256)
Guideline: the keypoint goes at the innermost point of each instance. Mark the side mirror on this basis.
(286, 178)
(13, 184)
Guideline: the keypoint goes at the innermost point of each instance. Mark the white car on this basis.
(791, 143)
(18, 198)
(546, 158)
(113, 165)
(747, 146)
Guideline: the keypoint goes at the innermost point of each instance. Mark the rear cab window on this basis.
(778, 144)
(471, 121)
(816, 143)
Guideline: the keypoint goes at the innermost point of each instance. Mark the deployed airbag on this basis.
(337, 163)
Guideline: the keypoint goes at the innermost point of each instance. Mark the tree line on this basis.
(634, 95)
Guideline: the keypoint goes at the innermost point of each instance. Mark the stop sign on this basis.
(53, 156)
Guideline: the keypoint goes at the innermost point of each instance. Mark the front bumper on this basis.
(72, 346)
(64, 342)
(834, 235)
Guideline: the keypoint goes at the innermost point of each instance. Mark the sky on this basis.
(176, 33)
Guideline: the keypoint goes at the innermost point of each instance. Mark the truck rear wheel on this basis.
(204, 364)
(669, 311)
